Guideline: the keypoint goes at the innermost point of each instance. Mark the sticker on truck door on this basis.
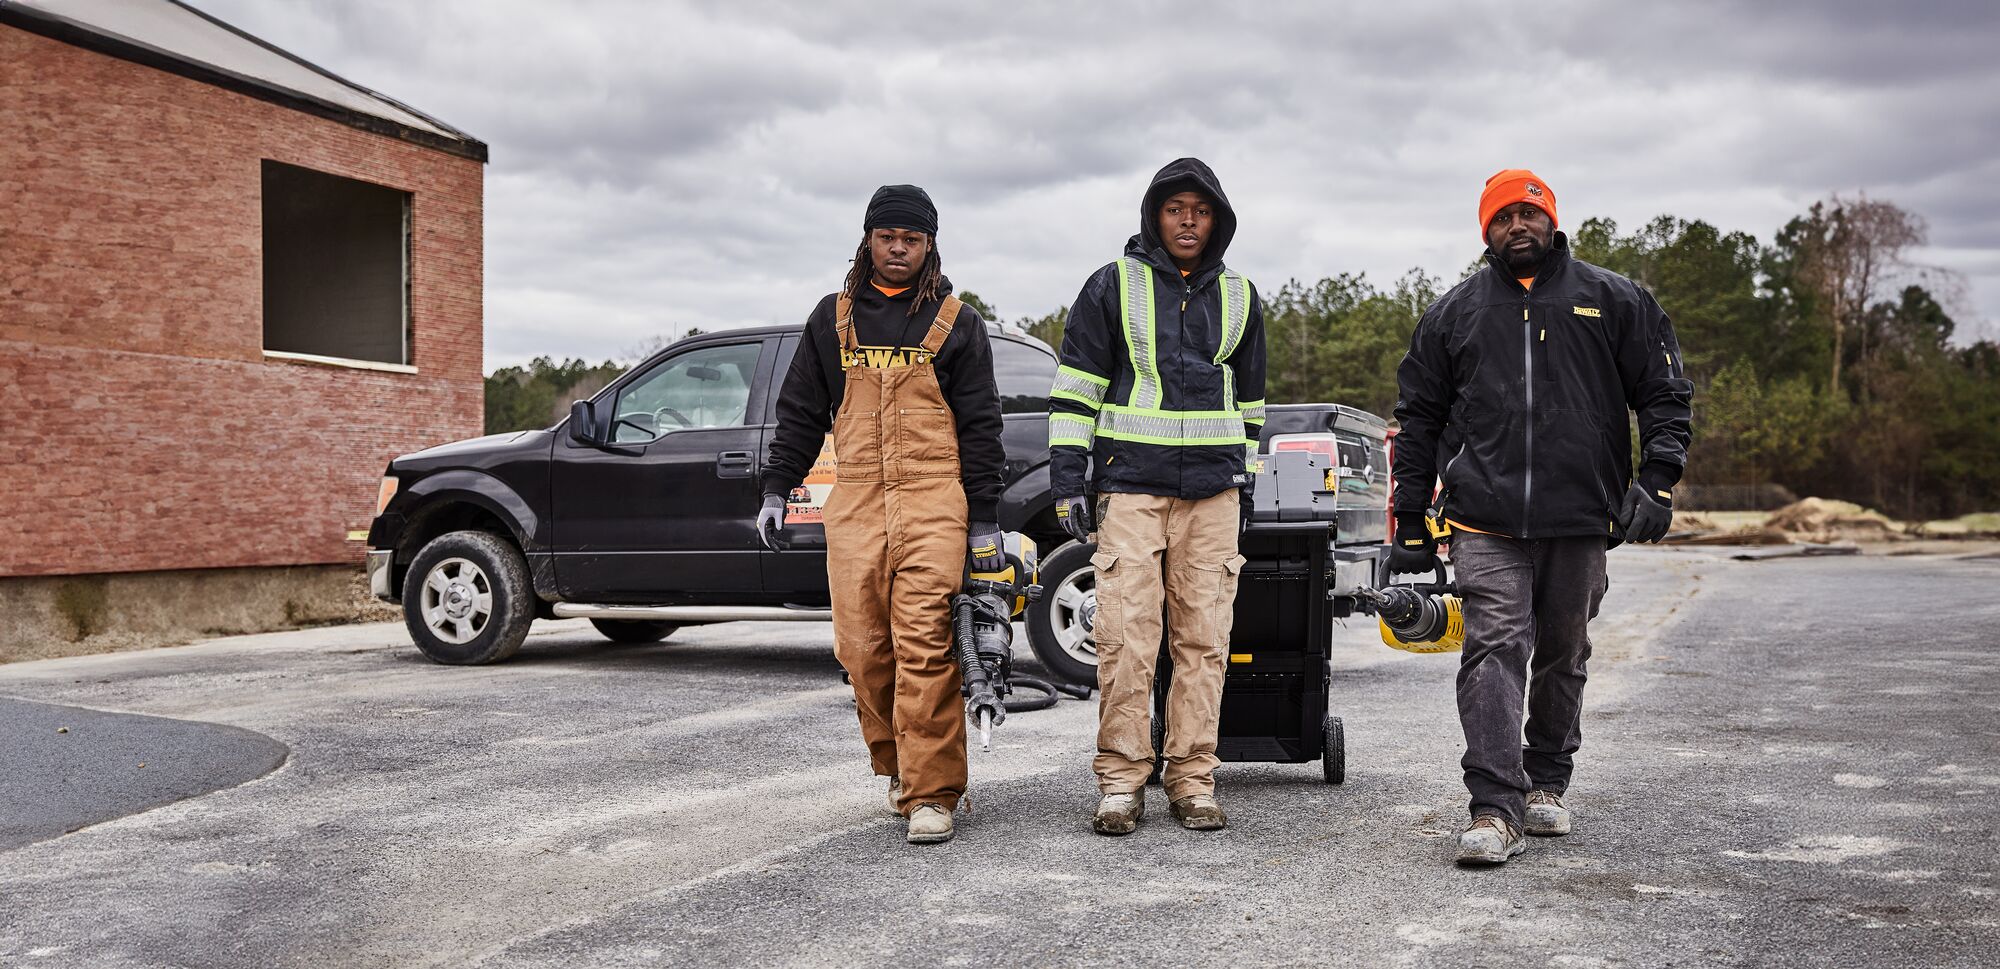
(806, 503)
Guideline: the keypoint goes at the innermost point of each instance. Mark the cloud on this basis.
(663, 165)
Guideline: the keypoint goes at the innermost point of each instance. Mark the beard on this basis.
(1525, 261)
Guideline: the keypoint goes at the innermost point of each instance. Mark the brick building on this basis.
(232, 286)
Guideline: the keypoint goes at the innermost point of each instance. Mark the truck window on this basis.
(708, 387)
(1024, 375)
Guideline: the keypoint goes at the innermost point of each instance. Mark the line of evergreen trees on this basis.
(1822, 361)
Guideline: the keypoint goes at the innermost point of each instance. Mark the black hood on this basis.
(1182, 175)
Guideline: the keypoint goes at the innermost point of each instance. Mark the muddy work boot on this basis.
(895, 796)
(1546, 815)
(1118, 813)
(1199, 812)
(1490, 841)
(929, 824)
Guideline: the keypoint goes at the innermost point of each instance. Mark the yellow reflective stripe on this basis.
(1072, 384)
(1253, 411)
(1103, 383)
(1070, 430)
(1135, 305)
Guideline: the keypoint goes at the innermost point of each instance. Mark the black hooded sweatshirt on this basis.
(1188, 331)
(815, 385)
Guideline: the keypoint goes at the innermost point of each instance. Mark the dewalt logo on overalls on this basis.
(883, 358)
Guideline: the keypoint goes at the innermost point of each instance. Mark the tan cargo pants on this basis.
(1155, 552)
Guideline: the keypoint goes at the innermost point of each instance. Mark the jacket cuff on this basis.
(775, 483)
(982, 510)
(1658, 476)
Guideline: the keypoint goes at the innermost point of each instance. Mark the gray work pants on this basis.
(1527, 608)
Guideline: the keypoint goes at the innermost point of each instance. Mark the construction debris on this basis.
(1823, 521)
(1799, 550)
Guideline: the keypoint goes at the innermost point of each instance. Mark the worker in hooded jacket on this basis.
(1157, 407)
(902, 373)
(1514, 399)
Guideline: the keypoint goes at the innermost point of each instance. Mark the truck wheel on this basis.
(635, 630)
(1333, 761)
(1059, 623)
(467, 599)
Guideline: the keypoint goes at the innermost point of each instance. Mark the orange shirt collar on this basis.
(886, 291)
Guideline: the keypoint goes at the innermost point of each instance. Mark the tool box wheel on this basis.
(1333, 762)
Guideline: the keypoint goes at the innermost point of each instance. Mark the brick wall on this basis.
(141, 427)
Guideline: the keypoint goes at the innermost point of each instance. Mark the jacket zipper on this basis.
(1528, 356)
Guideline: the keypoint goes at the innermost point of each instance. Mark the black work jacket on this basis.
(1517, 399)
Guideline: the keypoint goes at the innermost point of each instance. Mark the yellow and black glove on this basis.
(1073, 514)
(1414, 549)
(988, 551)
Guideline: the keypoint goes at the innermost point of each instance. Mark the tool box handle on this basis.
(1443, 585)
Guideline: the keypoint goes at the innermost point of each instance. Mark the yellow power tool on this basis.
(1420, 618)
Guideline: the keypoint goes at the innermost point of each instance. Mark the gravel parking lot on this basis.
(1791, 762)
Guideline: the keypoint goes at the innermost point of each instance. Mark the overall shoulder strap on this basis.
(843, 321)
(941, 327)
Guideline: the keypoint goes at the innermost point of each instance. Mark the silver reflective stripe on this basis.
(1135, 302)
(1253, 410)
(1070, 430)
(1235, 313)
(1084, 388)
(1170, 427)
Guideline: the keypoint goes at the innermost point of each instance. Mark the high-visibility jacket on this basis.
(1160, 389)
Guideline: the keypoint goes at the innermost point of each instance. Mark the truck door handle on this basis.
(734, 464)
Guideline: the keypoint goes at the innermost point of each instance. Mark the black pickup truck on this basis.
(636, 511)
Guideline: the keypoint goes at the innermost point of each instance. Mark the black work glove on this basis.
(1414, 549)
(1073, 513)
(988, 551)
(770, 518)
(1649, 508)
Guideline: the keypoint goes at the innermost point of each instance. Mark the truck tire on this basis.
(635, 630)
(1059, 622)
(467, 599)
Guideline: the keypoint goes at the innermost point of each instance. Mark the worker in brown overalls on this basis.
(902, 373)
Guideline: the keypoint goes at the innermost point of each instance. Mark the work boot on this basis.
(1490, 840)
(929, 824)
(1546, 815)
(895, 795)
(1119, 813)
(1199, 812)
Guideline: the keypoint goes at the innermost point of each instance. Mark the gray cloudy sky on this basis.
(660, 165)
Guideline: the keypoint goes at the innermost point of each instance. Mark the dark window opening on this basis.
(336, 266)
(1023, 374)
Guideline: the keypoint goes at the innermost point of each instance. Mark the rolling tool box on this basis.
(1274, 693)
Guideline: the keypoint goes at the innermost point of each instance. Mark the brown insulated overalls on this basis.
(895, 539)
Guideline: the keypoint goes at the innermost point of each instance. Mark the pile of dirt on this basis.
(1822, 520)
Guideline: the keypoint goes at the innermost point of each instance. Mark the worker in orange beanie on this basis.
(1515, 393)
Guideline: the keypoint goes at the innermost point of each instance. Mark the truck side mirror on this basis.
(583, 427)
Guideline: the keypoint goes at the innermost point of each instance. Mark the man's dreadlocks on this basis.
(863, 271)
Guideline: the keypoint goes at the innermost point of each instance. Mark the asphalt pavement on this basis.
(1786, 763)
